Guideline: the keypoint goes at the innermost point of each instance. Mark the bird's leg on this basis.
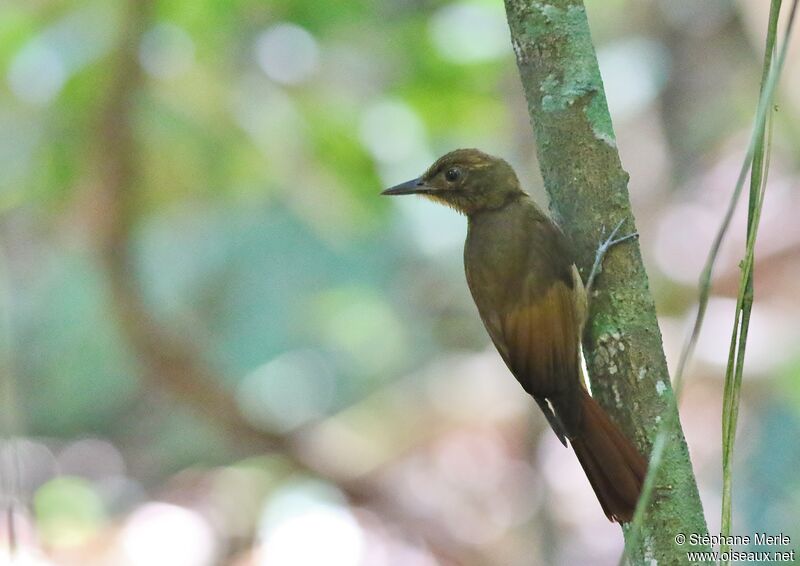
(602, 249)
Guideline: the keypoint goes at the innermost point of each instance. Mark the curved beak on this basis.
(414, 186)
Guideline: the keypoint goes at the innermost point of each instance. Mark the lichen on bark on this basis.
(582, 77)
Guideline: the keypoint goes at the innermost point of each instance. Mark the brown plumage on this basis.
(530, 297)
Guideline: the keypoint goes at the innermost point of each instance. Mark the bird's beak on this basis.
(408, 188)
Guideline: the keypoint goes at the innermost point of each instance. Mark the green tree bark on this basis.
(588, 191)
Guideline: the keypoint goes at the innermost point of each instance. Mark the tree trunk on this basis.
(588, 191)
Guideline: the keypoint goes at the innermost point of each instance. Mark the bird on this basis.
(521, 272)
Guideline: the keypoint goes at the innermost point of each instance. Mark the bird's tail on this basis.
(613, 465)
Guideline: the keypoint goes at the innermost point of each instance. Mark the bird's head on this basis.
(468, 180)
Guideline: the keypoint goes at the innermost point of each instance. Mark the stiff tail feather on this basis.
(613, 465)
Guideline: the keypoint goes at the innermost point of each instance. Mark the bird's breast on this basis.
(495, 255)
(514, 254)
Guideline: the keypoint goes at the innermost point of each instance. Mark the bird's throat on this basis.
(449, 203)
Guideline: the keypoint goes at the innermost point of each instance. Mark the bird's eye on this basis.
(453, 174)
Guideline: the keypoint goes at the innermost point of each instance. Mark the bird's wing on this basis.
(537, 332)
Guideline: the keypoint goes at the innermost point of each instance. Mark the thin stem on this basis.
(744, 302)
(668, 421)
(708, 269)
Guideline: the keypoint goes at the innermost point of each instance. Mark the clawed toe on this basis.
(605, 245)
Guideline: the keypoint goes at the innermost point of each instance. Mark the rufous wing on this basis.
(537, 331)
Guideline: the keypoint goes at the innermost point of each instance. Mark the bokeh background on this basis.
(221, 346)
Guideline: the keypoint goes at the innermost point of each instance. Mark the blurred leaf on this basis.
(68, 511)
(74, 358)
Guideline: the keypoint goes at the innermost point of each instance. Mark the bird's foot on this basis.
(602, 250)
